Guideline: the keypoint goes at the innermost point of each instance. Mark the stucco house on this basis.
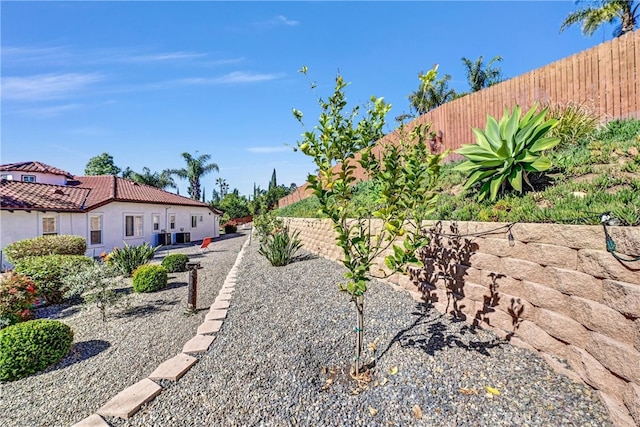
(38, 199)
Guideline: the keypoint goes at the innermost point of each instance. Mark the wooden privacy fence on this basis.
(605, 78)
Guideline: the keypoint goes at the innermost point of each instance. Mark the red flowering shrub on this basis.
(17, 296)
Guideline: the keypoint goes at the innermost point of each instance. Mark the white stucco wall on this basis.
(41, 178)
(18, 225)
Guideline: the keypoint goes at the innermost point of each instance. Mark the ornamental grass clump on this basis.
(128, 258)
(280, 247)
(149, 278)
(30, 347)
(175, 263)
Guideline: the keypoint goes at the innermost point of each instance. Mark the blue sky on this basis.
(146, 81)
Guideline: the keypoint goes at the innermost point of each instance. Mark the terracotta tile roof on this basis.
(34, 167)
(34, 196)
(107, 188)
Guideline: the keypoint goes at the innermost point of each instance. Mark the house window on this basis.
(156, 222)
(6, 176)
(28, 178)
(194, 221)
(133, 225)
(95, 229)
(172, 222)
(49, 225)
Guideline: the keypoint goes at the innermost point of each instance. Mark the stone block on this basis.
(594, 374)
(562, 327)
(561, 368)
(488, 262)
(627, 240)
(521, 269)
(94, 420)
(617, 411)
(619, 358)
(128, 401)
(476, 292)
(220, 305)
(571, 282)
(540, 340)
(223, 297)
(543, 296)
(603, 265)
(504, 283)
(209, 327)
(550, 255)
(517, 306)
(198, 344)
(632, 401)
(623, 297)
(174, 368)
(495, 318)
(216, 315)
(570, 236)
(500, 247)
(600, 318)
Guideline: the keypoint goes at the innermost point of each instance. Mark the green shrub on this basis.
(129, 258)
(175, 263)
(149, 278)
(30, 347)
(506, 152)
(48, 271)
(266, 224)
(17, 296)
(45, 245)
(280, 247)
(230, 228)
(620, 130)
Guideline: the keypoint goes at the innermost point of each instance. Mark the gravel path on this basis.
(282, 355)
(108, 357)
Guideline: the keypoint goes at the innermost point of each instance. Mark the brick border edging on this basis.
(126, 403)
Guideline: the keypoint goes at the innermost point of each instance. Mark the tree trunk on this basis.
(357, 362)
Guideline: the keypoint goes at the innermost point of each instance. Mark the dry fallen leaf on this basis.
(373, 411)
(384, 381)
(468, 391)
(492, 390)
(393, 370)
(417, 412)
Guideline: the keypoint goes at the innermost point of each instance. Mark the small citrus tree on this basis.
(406, 174)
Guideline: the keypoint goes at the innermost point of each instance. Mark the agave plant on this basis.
(506, 152)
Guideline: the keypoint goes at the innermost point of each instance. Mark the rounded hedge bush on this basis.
(30, 347)
(45, 245)
(149, 278)
(48, 271)
(175, 263)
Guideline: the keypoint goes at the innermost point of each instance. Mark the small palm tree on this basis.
(599, 12)
(431, 94)
(480, 76)
(196, 168)
(160, 180)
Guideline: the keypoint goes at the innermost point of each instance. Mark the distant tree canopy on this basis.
(160, 180)
(480, 75)
(234, 206)
(431, 93)
(196, 168)
(101, 165)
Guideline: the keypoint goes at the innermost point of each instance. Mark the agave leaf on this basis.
(511, 125)
(481, 157)
(494, 186)
(493, 131)
(466, 166)
(504, 151)
(515, 178)
(540, 165)
(481, 139)
(472, 149)
(477, 176)
(526, 156)
(544, 144)
(529, 114)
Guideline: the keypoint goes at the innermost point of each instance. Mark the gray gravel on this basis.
(108, 357)
(282, 359)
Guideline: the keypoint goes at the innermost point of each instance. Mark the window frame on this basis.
(28, 178)
(137, 225)
(55, 225)
(194, 221)
(172, 221)
(100, 229)
(155, 222)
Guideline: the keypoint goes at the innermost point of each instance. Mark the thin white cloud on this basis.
(47, 86)
(289, 22)
(52, 111)
(272, 149)
(236, 77)
(162, 57)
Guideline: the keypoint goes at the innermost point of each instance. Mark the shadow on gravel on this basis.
(173, 285)
(81, 351)
(305, 257)
(432, 335)
(148, 309)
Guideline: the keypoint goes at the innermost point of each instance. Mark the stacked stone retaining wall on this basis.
(553, 289)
